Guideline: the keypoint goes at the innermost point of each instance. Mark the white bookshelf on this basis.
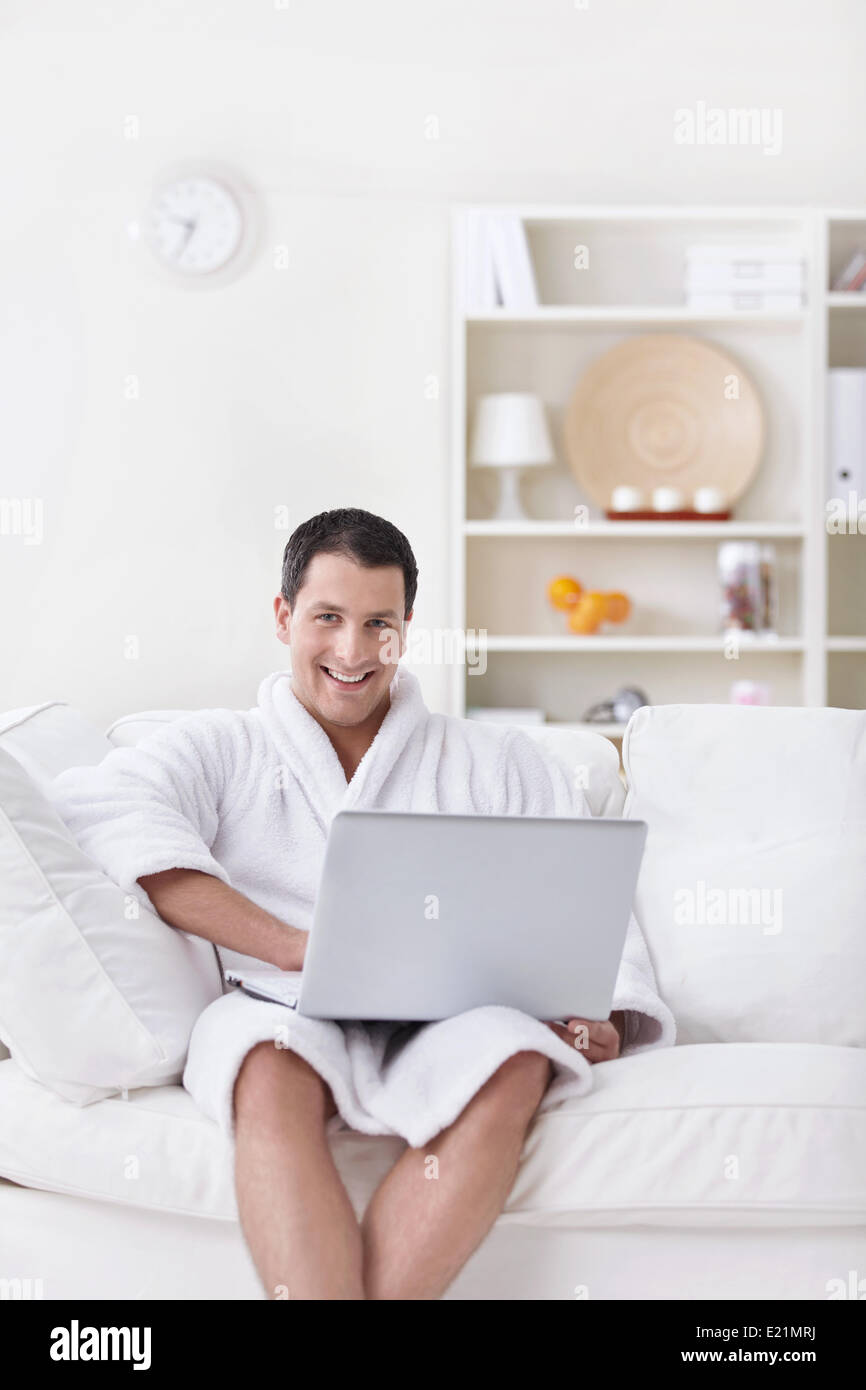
(670, 645)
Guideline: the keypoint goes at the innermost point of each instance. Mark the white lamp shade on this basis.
(510, 431)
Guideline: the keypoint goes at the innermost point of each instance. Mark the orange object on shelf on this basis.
(564, 592)
(589, 611)
(617, 607)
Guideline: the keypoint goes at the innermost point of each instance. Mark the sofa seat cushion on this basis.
(735, 1134)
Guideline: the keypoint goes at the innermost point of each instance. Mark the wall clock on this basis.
(199, 224)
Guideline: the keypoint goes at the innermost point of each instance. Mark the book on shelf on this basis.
(852, 276)
(498, 268)
(479, 289)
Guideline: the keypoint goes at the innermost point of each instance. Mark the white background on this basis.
(310, 387)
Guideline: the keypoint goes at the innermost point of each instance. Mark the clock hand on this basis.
(191, 229)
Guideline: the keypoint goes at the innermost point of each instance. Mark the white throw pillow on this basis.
(588, 760)
(752, 890)
(47, 739)
(130, 729)
(97, 993)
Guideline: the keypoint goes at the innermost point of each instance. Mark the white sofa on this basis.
(732, 1165)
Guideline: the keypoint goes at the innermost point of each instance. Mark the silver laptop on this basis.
(420, 917)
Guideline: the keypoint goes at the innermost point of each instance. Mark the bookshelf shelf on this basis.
(651, 530)
(575, 646)
(637, 313)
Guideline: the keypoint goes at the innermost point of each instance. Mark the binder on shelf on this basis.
(846, 427)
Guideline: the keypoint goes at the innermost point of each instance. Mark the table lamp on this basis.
(510, 433)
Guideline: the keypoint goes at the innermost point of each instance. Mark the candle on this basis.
(750, 693)
(709, 499)
(667, 499)
(626, 499)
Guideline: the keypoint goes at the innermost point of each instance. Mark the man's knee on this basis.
(521, 1080)
(268, 1073)
(529, 1067)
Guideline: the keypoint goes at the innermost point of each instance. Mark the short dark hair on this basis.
(368, 539)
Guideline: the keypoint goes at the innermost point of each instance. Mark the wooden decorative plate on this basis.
(661, 409)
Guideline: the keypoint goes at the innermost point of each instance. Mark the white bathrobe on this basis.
(248, 796)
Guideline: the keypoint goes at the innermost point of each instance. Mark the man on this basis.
(220, 821)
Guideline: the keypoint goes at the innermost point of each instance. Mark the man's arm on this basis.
(157, 805)
(203, 905)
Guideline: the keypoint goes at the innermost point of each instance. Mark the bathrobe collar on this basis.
(310, 756)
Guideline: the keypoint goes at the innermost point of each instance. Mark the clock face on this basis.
(195, 225)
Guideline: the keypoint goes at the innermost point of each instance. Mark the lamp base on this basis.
(510, 507)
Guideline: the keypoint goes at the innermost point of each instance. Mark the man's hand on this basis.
(598, 1041)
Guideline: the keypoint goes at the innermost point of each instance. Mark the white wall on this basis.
(308, 386)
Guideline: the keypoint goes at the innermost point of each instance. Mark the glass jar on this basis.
(741, 602)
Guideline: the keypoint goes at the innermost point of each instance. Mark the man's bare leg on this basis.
(419, 1230)
(295, 1213)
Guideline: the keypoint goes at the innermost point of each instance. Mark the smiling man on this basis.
(220, 821)
(340, 670)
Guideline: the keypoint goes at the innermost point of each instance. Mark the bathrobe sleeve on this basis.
(154, 806)
(538, 784)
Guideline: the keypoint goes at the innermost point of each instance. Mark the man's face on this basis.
(347, 619)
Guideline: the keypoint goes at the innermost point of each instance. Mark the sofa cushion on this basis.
(132, 728)
(588, 760)
(97, 993)
(47, 739)
(753, 882)
(707, 1135)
